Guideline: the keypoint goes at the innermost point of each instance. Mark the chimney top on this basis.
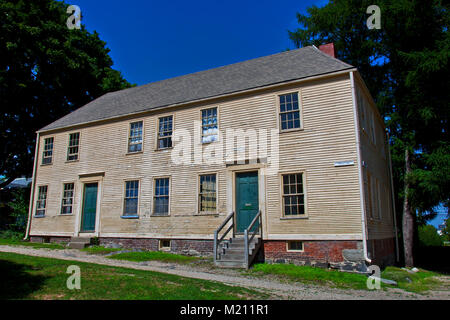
(328, 49)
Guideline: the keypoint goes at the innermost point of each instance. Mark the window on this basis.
(289, 111)
(294, 246)
(164, 245)
(135, 139)
(161, 197)
(210, 132)
(165, 132)
(67, 200)
(293, 195)
(47, 155)
(41, 202)
(72, 151)
(130, 207)
(207, 193)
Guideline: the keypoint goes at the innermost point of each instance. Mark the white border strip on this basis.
(348, 236)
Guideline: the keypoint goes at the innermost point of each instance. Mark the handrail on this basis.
(216, 233)
(246, 231)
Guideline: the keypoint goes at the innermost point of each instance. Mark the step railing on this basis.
(217, 240)
(252, 234)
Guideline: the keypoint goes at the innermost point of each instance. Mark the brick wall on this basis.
(49, 239)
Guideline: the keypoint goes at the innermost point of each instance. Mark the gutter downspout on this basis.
(397, 251)
(33, 186)
(361, 181)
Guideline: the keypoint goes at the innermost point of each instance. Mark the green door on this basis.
(246, 200)
(89, 207)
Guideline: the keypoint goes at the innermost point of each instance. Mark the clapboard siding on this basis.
(327, 136)
(375, 155)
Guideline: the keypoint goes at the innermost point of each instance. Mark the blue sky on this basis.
(155, 40)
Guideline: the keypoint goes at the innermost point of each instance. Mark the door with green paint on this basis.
(89, 207)
(247, 205)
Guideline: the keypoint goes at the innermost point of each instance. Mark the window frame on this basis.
(157, 148)
(305, 197)
(201, 125)
(45, 150)
(162, 248)
(124, 199)
(212, 173)
(38, 200)
(77, 146)
(295, 250)
(129, 137)
(153, 214)
(62, 199)
(279, 113)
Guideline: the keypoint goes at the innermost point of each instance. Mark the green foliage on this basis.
(428, 236)
(153, 255)
(46, 71)
(7, 238)
(19, 210)
(100, 250)
(43, 278)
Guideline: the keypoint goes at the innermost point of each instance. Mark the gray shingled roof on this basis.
(255, 73)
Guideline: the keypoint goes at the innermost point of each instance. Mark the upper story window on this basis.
(210, 130)
(135, 139)
(47, 155)
(74, 144)
(207, 193)
(67, 200)
(293, 195)
(165, 132)
(131, 200)
(41, 202)
(289, 112)
(161, 197)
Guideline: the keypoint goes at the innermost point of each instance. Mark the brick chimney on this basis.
(328, 49)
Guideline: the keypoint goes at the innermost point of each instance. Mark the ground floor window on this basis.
(161, 197)
(295, 246)
(131, 201)
(67, 200)
(293, 194)
(41, 202)
(207, 193)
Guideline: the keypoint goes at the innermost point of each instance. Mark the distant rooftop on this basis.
(256, 73)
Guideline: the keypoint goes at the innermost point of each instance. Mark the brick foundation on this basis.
(180, 246)
(50, 239)
(344, 255)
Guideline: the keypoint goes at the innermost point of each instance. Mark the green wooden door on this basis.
(89, 207)
(247, 205)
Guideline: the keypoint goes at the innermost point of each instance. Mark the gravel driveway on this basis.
(276, 289)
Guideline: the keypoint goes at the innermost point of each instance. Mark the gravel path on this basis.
(276, 289)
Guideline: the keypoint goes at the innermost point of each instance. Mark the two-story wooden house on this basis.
(292, 142)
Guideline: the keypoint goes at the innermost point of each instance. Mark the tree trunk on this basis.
(408, 217)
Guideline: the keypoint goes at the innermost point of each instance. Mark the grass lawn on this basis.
(15, 242)
(154, 255)
(100, 250)
(418, 282)
(25, 277)
(312, 275)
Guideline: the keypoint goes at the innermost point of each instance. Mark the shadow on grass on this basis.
(17, 283)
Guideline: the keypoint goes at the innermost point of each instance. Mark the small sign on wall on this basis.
(344, 163)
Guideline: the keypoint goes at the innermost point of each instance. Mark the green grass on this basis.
(100, 250)
(312, 275)
(16, 242)
(25, 277)
(420, 282)
(154, 255)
